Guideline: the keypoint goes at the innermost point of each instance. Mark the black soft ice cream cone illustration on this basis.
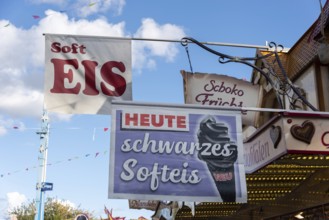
(220, 155)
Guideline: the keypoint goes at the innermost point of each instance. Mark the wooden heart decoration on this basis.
(275, 135)
(303, 132)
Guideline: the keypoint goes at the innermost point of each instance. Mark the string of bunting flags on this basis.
(16, 127)
(88, 155)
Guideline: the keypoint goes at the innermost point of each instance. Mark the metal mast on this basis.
(42, 186)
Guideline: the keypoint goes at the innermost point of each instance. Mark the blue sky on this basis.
(81, 179)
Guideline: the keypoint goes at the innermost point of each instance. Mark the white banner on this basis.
(221, 90)
(83, 74)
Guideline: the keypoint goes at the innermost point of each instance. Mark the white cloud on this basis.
(66, 203)
(22, 55)
(85, 8)
(59, 23)
(21, 101)
(143, 51)
(15, 199)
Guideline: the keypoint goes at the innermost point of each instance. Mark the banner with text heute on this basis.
(222, 91)
(83, 74)
(176, 153)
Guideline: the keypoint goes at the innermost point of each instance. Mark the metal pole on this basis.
(43, 153)
(175, 41)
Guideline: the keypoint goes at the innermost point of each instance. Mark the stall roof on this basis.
(289, 184)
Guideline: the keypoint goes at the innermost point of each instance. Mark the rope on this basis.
(189, 58)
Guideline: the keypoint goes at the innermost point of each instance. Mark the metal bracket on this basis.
(280, 88)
